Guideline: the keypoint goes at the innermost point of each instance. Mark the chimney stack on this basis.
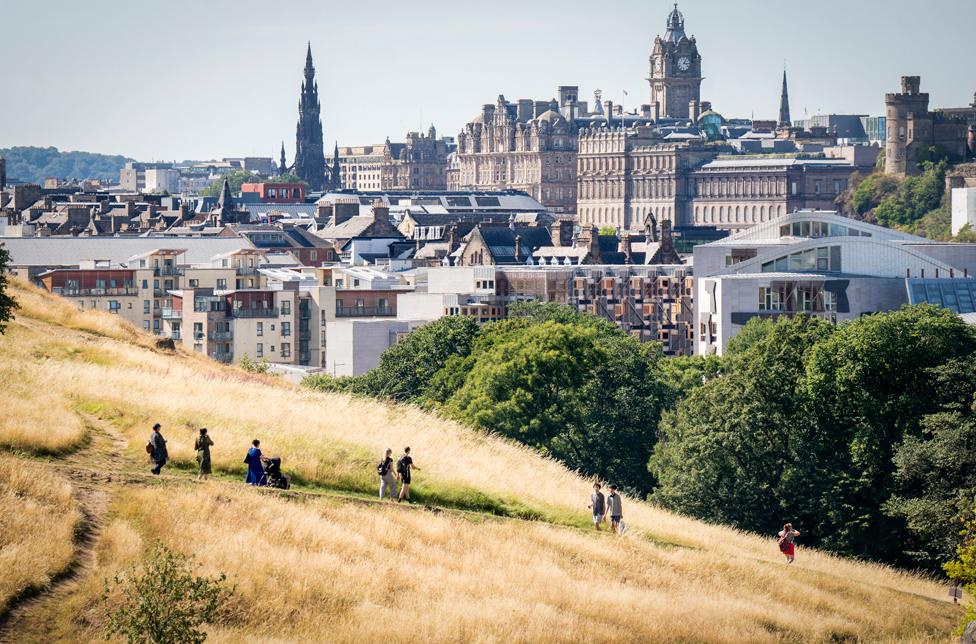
(518, 248)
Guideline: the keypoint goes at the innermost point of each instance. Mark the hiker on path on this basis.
(202, 446)
(156, 448)
(255, 471)
(387, 481)
(598, 505)
(615, 509)
(786, 545)
(403, 468)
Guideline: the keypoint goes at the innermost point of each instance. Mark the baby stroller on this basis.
(273, 475)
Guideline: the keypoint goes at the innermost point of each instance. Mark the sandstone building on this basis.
(675, 76)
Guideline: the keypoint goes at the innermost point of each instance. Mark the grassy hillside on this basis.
(499, 550)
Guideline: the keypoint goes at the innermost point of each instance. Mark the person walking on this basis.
(786, 544)
(255, 470)
(156, 447)
(387, 481)
(598, 505)
(202, 446)
(615, 509)
(404, 468)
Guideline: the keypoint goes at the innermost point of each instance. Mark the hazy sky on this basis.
(201, 79)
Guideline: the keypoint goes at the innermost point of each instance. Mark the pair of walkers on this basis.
(390, 473)
(610, 505)
(159, 454)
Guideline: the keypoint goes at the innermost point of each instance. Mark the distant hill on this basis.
(33, 164)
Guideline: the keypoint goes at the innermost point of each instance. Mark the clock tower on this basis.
(675, 71)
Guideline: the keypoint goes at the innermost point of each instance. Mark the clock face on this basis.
(684, 64)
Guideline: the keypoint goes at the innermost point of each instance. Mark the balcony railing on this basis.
(168, 270)
(363, 311)
(172, 314)
(222, 356)
(83, 292)
(254, 313)
(221, 336)
(247, 270)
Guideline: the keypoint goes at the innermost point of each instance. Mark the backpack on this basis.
(149, 447)
(401, 467)
(784, 544)
(382, 467)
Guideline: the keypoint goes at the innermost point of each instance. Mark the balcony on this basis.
(176, 336)
(363, 311)
(222, 356)
(172, 314)
(247, 270)
(167, 270)
(86, 292)
(254, 313)
(221, 336)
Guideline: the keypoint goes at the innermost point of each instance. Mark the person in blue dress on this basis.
(255, 470)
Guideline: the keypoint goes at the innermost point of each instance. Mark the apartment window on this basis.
(194, 283)
(830, 301)
(94, 304)
(155, 326)
(313, 255)
(286, 307)
(272, 348)
(145, 324)
(221, 284)
(355, 282)
(155, 283)
(285, 331)
(272, 326)
(198, 330)
(285, 349)
(384, 303)
(114, 306)
(259, 352)
(260, 329)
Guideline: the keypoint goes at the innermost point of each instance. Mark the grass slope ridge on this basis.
(339, 567)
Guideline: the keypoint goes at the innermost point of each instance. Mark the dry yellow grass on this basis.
(721, 585)
(37, 522)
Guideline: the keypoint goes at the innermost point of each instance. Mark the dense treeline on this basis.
(34, 164)
(863, 434)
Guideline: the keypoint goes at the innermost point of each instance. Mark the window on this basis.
(259, 351)
(286, 307)
(155, 326)
(770, 299)
(272, 348)
(360, 303)
(221, 284)
(198, 330)
(145, 306)
(260, 329)
(824, 258)
(830, 301)
(285, 349)
(145, 324)
(114, 306)
(194, 283)
(285, 331)
(794, 188)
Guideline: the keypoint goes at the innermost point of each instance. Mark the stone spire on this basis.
(282, 167)
(309, 151)
(226, 200)
(335, 175)
(784, 105)
(676, 26)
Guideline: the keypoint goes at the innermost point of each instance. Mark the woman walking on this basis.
(202, 446)
(387, 481)
(786, 545)
(255, 470)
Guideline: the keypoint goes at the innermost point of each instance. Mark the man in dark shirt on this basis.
(615, 509)
(598, 505)
(156, 447)
(404, 466)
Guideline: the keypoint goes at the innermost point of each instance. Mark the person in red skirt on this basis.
(786, 545)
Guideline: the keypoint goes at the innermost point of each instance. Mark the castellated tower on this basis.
(908, 121)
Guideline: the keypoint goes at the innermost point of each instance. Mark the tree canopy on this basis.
(7, 302)
(34, 164)
(236, 179)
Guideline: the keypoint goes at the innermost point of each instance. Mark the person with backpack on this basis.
(156, 448)
(598, 505)
(387, 481)
(615, 510)
(404, 466)
(786, 545)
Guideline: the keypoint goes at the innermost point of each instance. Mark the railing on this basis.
(82, 292)
(159, 292)
(222, 335)
(176, 336)
(363, 311)
(222, 356)
(172, 314)
(247, 270)
(254, 313)
(167, 270)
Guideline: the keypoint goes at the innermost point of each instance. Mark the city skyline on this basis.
(213, 84)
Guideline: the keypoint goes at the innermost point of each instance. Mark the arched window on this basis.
(753, 214)
(721, 214)
(737, 218)
(762, 213)
(697, 214)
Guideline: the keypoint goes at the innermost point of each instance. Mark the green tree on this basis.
(608, 231)
(289, 178)
(253, 366)
(162, 602)
(236, 179)
(736, 449)
(7, 303)
(870, 385)
(916, 197)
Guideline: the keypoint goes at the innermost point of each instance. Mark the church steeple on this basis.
(282, 167)
(309, 150)
(784, 105)
(335, 175)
